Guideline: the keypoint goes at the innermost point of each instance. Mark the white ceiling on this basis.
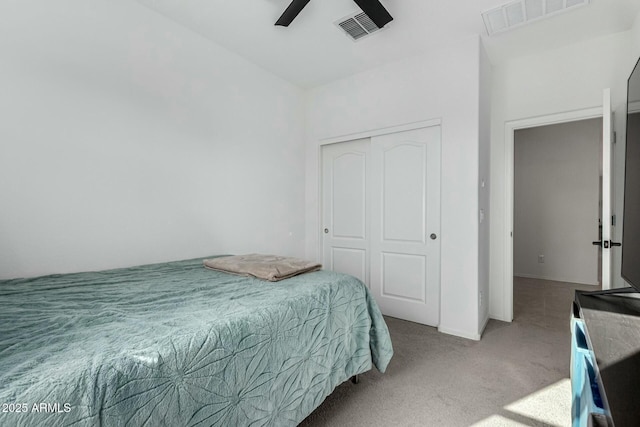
(313, 51)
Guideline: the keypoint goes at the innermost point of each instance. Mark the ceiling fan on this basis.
(373, 9)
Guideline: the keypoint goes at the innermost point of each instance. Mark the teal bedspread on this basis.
(176, 344)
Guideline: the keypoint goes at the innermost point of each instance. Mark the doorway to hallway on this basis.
(557, 202)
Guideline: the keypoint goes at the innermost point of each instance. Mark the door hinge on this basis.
(613, 220)
(615, 137)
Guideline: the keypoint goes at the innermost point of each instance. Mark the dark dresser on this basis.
(605, 359)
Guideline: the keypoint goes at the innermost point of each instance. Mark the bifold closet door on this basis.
(405, 224)
(381, 219)
(345, 208)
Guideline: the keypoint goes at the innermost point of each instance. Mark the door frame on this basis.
(354, 136)
(510, 128)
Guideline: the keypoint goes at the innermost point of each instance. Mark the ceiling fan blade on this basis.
(291, 12)
(376, 11)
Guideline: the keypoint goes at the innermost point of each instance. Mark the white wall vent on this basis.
(520, 12)
(357, 25)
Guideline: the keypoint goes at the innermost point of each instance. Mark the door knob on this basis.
(433, 236)
(607, 243)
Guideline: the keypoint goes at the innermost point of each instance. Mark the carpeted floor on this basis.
(517, 375)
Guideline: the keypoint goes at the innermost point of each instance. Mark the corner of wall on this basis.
(484, 186)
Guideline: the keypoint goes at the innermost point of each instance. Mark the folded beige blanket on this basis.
(266, 267)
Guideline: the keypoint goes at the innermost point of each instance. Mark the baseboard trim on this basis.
(555, 279)
(475, 337)
(500, 318)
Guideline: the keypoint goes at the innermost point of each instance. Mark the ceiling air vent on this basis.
(520, 12)
(357, 25)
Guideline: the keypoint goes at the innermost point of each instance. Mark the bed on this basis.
(177, 344)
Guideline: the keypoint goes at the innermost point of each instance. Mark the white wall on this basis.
(484, 191)
(635, 39)
(556, 201)
(127, 139)
(561, 80)
(441, 84)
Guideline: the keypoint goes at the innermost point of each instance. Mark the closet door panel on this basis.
(345, 206)
(381, 219)
(405, 213)
(403, 192)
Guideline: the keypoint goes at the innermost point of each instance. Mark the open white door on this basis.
(607, 186)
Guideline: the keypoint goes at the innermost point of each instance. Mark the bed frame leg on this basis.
(355, 379)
